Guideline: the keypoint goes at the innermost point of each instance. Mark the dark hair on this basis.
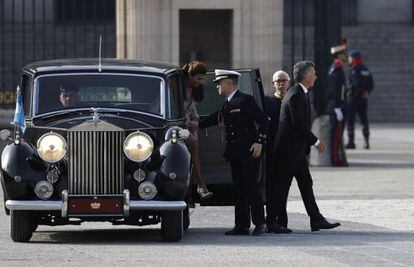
(68, 88)
(194, 67)
(191, 69)
(301, 69)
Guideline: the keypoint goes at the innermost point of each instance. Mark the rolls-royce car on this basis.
(104, 141)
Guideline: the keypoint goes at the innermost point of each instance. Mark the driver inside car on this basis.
(68, 96)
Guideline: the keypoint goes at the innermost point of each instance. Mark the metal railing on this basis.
(34, 30)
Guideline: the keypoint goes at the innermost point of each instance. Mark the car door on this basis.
(215, 170)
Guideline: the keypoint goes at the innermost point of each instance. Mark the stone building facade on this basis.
(150, 29)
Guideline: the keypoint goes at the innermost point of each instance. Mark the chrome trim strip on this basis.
(34, 205)
(65, 203)
(126, 197)
(62, 205)
(157, 205)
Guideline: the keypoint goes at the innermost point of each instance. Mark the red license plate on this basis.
(85, 206)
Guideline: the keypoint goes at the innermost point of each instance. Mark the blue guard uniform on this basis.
(361, 84)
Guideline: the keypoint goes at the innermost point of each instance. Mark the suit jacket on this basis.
(294, 136)
(273, 105)
(240, 116)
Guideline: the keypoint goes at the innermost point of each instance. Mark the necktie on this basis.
(307, 98)
(309, 108)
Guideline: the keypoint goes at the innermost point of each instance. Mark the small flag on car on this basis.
(19, 121)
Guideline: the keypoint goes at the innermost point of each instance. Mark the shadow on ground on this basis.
(350, 233)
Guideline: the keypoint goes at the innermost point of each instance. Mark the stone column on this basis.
(261, 38)
(144, 29)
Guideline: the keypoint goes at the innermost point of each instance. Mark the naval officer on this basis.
(245, 130)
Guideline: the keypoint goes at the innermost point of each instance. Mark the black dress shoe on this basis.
(350, 146)
(277, 229)
(238, 231)
(259, 229)
(323, 224)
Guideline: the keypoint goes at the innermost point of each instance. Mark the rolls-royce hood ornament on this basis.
(95, 114)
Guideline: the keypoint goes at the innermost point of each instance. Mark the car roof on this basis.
(92, 64)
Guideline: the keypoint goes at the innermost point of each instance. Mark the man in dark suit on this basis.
(239, 115)
(280, 84)
(292, 144)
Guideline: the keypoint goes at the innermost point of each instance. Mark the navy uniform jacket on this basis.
(294, 137)
(240, 116)
(360, 80)
(337, 85)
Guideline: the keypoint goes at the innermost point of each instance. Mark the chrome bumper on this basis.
(63, 204)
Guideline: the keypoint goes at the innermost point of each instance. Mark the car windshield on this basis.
(70, 91)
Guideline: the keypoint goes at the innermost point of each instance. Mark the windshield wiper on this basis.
(61, 113)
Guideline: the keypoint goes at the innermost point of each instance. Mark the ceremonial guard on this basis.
(245, 132)
(361, 84)
(336, 107)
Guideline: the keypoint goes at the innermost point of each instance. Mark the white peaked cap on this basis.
(225, 74)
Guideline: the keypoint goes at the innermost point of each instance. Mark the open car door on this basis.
(215, 170)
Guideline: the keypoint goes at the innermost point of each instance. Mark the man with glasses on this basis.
(239, 115)
(280, 84)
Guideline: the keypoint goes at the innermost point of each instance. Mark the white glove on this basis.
(339, 115)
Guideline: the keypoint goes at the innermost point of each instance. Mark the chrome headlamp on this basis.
(51, 147)
(138, 146)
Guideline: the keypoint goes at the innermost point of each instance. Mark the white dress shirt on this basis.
(231, 95)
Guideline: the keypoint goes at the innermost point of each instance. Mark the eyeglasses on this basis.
(281, 81)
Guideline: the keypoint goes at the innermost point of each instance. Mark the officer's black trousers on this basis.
(247, 192)
(271, 191)
(288, 167)
(357, 106)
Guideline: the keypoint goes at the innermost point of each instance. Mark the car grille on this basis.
(95, 165)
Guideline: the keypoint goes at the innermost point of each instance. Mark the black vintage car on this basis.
(115, 152)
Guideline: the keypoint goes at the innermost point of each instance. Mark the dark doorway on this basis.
(206, 35)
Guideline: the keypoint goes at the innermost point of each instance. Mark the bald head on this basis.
(280, 83)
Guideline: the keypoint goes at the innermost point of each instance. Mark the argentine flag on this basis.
(19, 120)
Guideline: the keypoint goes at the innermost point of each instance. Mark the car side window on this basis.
(175, 92)
(212, 100)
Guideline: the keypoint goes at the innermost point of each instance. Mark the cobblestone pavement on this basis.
(373, 199)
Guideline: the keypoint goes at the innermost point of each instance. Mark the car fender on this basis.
(175, 168)
(19, 173)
